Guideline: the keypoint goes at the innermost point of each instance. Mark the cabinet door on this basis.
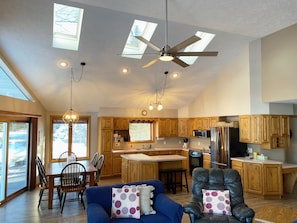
(253, 178)
(107, 165)
(237, 165)
(173, 127)
(183, 127)
(245, 128)
(256, 129)
(185, 163)
(106, 122)
(191, 127)
(205, 123)
(206, 161)
(198, 124)
(116, 164)
(273, 180)
(107, 140)
(121, 123)
(284, 132)
(162, 127)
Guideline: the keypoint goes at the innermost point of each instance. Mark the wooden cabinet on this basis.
(238, 165)
(203, 123)
(185, 163)
(106, 123)
(105, 142)
(253, 178)
(273, 181)
(245, 128)
(116, 164)
(167, 127)
(137, 171)
(121, 123)
(206, 161)
(270, 131)
(183, 127)
(263, 179)
(213, 120)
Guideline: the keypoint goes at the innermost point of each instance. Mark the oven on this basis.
(195, 160)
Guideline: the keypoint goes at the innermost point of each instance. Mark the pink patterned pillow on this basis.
(125, 203)
(216, 201)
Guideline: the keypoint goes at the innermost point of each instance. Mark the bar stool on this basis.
(171, 178)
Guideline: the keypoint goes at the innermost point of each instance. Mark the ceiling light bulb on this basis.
(159, 107)
(125, 70)
(151, 107)
(166, 58)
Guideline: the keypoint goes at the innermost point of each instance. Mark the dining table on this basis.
(53, 171)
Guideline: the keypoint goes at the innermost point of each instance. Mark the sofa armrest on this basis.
(243, 213)
(168, 207)
(97, 214)
(193, 209)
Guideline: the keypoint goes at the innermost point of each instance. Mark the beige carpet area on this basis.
(267, 214)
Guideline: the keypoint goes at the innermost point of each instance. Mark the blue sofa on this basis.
(99, 205)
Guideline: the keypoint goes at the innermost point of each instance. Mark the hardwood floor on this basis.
(24, 207)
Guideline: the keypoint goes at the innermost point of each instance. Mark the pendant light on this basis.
(71, 116)
(157, 104)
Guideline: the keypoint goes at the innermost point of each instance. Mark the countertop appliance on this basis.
(201, 133)
(224, 144)
(195, 160)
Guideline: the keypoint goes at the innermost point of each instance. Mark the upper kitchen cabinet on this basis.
(167, 127)
(213, 120)
(106, 123)
(270, 131)
(121, 123)
(204, 123)
(183, 125)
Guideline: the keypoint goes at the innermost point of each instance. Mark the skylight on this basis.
(199, 46)
(10, 86)
(135, 48)
(67, 26)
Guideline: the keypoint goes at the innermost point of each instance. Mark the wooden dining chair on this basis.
(95, 159)
(66, 155)
(73, 179)
(43, 181)
(99, 168)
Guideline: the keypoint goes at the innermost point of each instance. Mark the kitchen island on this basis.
(138, 167)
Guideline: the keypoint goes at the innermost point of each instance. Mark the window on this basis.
(10, 86)
(141, 131)
(67, 26)
(135, 48)
(72, 138)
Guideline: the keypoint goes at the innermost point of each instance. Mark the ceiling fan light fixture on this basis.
(166, 58)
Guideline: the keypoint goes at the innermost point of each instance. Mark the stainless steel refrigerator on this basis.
(224, 144)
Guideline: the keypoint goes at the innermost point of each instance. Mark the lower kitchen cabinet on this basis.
(206, 161)
(237, 165)
(185, 163)
(263, 179)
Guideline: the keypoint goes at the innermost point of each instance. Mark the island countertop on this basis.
(160, 158)
(140, 150)
(248, 160)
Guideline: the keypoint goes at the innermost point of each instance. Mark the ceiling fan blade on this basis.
(195, 54)
(151, 63)
(147, 43)
(184, 44)
(180, 62)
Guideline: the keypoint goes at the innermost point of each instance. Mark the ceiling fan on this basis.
(168, 53)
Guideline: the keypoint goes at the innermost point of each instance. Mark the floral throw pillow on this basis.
(216, 201)
(125, 203)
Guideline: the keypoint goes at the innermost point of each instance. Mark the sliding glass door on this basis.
(14, 144)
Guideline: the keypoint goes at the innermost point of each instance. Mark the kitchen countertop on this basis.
(146, 158)
(139, 150)
(285, 166)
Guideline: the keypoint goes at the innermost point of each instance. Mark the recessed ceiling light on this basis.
(175, 75)
(63, 64)
(125, 70)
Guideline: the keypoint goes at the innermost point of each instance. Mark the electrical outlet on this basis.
(250, 150)
(179, 142)
(164, 142)
(198, 143)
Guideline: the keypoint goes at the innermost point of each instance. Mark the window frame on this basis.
(152, 130)
(59, 118)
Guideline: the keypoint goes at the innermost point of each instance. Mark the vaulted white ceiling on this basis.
(26, 45)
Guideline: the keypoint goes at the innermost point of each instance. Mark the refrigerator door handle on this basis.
(220, 164)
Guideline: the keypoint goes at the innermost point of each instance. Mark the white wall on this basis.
(279, 53)
(228, 94)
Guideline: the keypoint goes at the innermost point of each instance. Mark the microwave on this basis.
(201, 133)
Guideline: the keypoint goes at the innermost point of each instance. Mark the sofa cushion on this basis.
(216, 201)
(125, 203)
